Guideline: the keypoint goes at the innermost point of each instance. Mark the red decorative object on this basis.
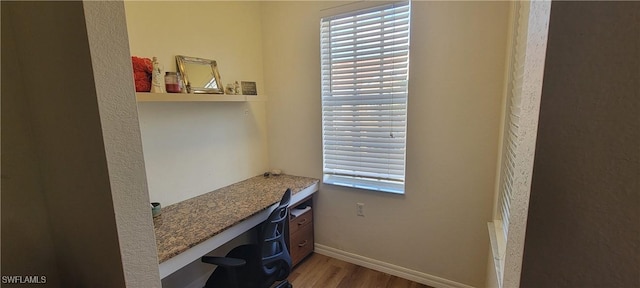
(142, 69)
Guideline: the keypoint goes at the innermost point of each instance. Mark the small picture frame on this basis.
(248, 88)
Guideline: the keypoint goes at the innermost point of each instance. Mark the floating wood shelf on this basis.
(183, 97)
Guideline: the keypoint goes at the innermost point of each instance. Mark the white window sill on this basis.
(366, 184)
(498, 248)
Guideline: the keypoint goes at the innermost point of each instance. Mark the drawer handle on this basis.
(302, 222)
(303, 243)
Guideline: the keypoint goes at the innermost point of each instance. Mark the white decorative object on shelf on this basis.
(157, 78)
(229, 90)
(233, 89)
(236, 88)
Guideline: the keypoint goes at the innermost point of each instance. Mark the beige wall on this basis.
(89, 212)
(437, 228)
(457, 67)
(583, 228)
(27, 245)
(226, 31)
(194, 148)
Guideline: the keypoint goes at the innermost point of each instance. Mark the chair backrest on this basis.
(276, 261)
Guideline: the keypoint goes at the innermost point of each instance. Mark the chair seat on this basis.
(266, 262)
(250, 272)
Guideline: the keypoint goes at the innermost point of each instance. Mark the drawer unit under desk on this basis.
(301, 236)
(301, 221)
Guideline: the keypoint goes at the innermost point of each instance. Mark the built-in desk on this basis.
(187, 230)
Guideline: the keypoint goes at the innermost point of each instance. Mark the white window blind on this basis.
(365, 61)
(511, 168)
(513, 114)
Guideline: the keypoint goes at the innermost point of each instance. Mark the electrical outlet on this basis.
(360, 209)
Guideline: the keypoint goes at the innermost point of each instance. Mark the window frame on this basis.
(359, 179)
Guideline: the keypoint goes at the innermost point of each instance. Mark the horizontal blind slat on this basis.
(363, 14)
(397, 40)
(369, 76)
(339, 99)
(364, 172)
(362, 114)
(363, 129)
(357, 134)
(380, 152)
(382, 73)
(356, 30)
(365, 108)
(365, 159)
(361, 65)
(344, 62)
(355, 43)
(365, 144)
(349, 164)
(368, 101)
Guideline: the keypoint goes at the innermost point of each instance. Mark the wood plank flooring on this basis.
(325, 272)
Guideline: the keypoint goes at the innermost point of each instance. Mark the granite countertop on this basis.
(188, 223)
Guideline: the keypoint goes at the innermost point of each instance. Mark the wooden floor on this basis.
(325, 272)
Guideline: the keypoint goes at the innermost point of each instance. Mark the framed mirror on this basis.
(200, 75)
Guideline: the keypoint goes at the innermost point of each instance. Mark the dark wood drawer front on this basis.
(301, 221)
(301, 243)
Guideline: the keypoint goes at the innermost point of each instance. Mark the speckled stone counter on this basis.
(190, 222)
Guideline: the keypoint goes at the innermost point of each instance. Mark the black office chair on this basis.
(257, 265)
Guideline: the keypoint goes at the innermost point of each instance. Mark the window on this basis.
(365, 67)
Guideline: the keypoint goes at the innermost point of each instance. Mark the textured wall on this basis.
(584, 215)
(107, 38)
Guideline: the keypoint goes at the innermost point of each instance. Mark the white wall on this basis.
(438, 228)
(194, 148)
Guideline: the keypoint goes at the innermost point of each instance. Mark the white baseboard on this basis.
(390, 269)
